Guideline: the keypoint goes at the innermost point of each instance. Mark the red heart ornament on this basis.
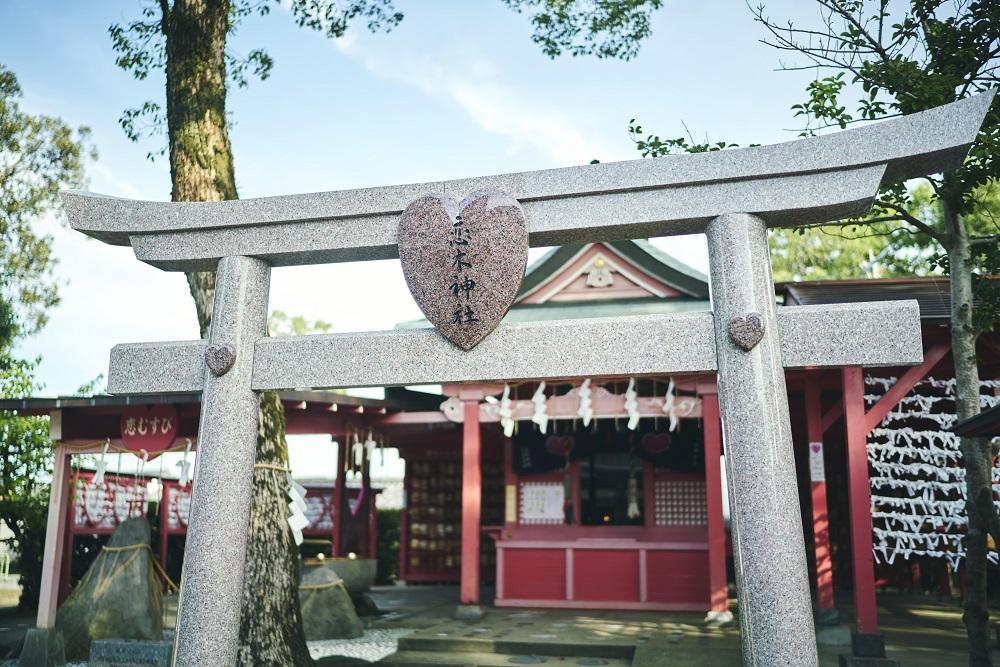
(560, 445)
(149, 427)
(464, 262)
(656, 443)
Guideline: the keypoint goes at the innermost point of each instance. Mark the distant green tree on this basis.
(605, 29)
(39, 155)
(824, 252)
(25, 465)
(282, 324)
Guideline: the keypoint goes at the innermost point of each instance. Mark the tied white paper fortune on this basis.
(369, 446)
(297, 520)
(358, 452)
(586, 410)
(632, 405)
(670, 405)
(632, 492)
(102, 465)
(185, 475)
(916, 475)
(540, 417)
(504, 411)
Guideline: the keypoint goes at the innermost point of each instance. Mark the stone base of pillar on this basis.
(116, 652)
(469, 612)
(856, 661)
(43, 647)
(867, 650)
(833, 635)
(865, 645)
(827, 616)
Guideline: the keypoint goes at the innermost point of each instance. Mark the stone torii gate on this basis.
(732, 196)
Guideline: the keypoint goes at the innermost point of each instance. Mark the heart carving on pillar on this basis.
(747, 331)
(464, 262)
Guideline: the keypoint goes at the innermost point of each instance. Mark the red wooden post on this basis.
(471, 499)
(165, 490)
(338, 495)
(372, 528)
(55, 534)
(718, 587)
(574, 469)
(369, 507)
(821, 520)
(404, 527)
(859, 495)
(510, 509)
(648, 495)
(66, 568)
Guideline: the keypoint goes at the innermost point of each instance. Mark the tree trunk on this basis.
(271, 591)
(201, 157)
(976, 452)
(201, 169)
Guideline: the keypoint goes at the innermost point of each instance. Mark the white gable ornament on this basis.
(599, 274)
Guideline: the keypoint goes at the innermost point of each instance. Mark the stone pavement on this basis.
(920, 632)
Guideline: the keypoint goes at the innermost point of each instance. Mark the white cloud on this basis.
(494, 106)
(107, 182)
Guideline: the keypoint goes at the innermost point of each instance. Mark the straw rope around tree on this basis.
(105, 570)
(320, 587)
(158, 569)
(120, 596)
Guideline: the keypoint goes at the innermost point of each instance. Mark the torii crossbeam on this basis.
(733, 196)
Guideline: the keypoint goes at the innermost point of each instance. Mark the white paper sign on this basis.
(542, 502)
(816, 470)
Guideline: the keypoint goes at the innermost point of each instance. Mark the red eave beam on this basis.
(831, 416)
(891, 398)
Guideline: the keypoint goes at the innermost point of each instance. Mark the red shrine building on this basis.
(603, 493)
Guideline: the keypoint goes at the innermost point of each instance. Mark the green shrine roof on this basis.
(640, 252)
(692, 284)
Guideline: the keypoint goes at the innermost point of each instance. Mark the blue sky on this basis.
(458, 89)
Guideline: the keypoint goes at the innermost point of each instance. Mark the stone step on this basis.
(477, 659)
(441, 645)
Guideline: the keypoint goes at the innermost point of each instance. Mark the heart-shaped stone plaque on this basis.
(464, 262)
(746, 331)
(220, 358)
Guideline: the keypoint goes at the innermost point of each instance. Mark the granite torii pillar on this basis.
(772, 583)
(731, 195)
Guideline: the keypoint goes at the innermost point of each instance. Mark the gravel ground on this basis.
(372, 647)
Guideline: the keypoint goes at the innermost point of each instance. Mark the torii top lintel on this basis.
(806, 181)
